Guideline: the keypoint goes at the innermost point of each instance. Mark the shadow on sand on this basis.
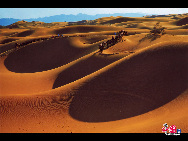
(149, 37)
(133, 87)
(84, 67)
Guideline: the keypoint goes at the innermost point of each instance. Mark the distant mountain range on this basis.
(69, 18)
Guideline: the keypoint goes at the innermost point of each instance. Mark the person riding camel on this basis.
(113, 40)
(108, 43)
(101, 47)
(104, 44)
(116, 38)
(121, 37)
(125, 33)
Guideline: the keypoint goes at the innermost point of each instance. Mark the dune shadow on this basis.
(44, 56)
(83, 68)
(181, 22)
(133, 87)
(149, 37)
(7, 40)
(83, 29)
(24, 33)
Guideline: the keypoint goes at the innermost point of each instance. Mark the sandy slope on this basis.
(64, 85)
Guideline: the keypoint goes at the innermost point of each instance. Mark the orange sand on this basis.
(64, 85)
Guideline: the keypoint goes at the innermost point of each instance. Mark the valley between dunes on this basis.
(64, 85)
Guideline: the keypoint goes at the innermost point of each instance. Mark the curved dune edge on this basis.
(106, 68)
(29, 104)
(59, 99)
(172, 113)
(145, 84)
(47, 78)
(55, 71)
(34, 82)
(53, 54)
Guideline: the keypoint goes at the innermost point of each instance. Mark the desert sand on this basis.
(64, 85)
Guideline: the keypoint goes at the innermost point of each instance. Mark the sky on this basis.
(26, 13)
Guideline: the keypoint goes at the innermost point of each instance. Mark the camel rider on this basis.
(101, 47)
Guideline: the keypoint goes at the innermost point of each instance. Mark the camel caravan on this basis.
(118, 38)
(109, 43)
(105, 45)
(113, 41)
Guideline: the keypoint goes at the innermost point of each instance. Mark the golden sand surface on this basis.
(64, 85)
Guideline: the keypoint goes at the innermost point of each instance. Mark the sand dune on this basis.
(56, 52)
(181, 22)
(65, 85)
(145, 82)
(133, 20)
(84, 29)
(11, 32)
(4, 41)
(24, 33)
(84, 68)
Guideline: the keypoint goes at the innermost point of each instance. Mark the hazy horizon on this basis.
(27, 13)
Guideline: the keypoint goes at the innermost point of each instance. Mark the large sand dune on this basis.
(55, 52)
(84, 29)
(64, 85)
(145, 82)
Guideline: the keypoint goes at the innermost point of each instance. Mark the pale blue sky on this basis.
(26, 13)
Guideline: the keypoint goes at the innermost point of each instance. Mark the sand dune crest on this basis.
(146, 81)
(63, 84)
